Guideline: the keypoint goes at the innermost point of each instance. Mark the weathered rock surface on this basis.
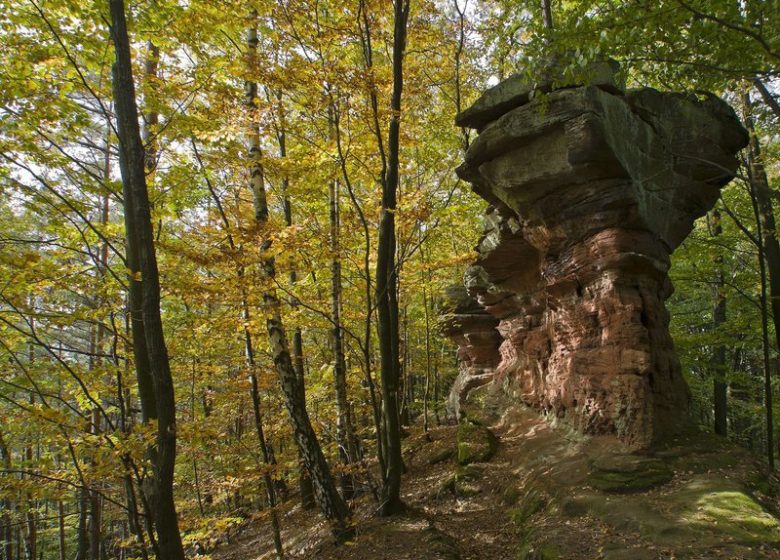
(474, 331)
(590, 191)
(517, 90)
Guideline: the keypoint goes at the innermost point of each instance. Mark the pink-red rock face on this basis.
(590, 192)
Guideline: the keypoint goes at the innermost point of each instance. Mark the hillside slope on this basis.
(548, 494)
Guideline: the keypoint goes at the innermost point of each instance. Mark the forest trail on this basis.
(535, 499)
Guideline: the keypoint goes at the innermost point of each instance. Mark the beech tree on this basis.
(288, 298)
(138, 222)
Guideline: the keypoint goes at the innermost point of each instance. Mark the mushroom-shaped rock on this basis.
(590, 190)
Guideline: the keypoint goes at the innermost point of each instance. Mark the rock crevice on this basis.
(590, 190)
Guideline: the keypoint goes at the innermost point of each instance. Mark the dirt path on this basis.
(532, 501)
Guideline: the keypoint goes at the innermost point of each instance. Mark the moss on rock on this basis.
(476, 443)
(629, 473)
(735, 514)
(465, 478)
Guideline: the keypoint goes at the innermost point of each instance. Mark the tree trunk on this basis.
(771, 251)
(304, 479)
(720, 385)
(427, 393)
(151, 118)
(31, 540)
(133, 176)
(386, 278)
(344, 433)
(267, 478)
(95, 521)
(6, 527)
(143, 370)
(333, 507)
(82, 535)
(547, 14)
(60, 529)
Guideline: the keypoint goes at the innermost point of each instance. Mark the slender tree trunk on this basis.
(765, 340)
(95, 521)
(133, 176)
(267, 479)
(427, 394)
(31, 539)
(304, 479)
(151, 117)
(547, 14)
(268, 459)
(82, 535)
(6, 528)
(771, 251)
(333, 507)
(368, 301)
(60, 529)
(143, 369)
(344, 433)
(720, 385)
(465, 132)
(386, 278)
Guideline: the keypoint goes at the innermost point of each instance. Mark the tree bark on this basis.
(267, 478)
(762, 193)
(720, 385)
(344, 432)
(304, 479)
(132, 168)
(60, 529)
(547, 14)
(95, 510)
(82, 535)
(331, 504)
(6, 528)
(427, 393)
(386, 280)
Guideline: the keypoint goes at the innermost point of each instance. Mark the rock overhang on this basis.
(590, 190)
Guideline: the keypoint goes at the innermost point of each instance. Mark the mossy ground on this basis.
(626, 473)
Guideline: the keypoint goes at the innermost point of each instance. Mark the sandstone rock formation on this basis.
(590, 190)
(474, 331)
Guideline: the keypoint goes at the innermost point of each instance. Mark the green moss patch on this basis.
(476, 443)
(465, 480)
(735, 514)
(628, 473)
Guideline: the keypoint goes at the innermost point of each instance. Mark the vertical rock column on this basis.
(474, 331)
(590, 190)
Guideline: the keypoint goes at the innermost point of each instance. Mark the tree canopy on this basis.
(79, 442)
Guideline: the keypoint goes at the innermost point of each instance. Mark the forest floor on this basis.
(548, 495)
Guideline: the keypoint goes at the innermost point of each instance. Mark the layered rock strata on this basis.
(590, 190)
(473, 329)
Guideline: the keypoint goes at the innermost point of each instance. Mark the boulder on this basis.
(476, 443)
